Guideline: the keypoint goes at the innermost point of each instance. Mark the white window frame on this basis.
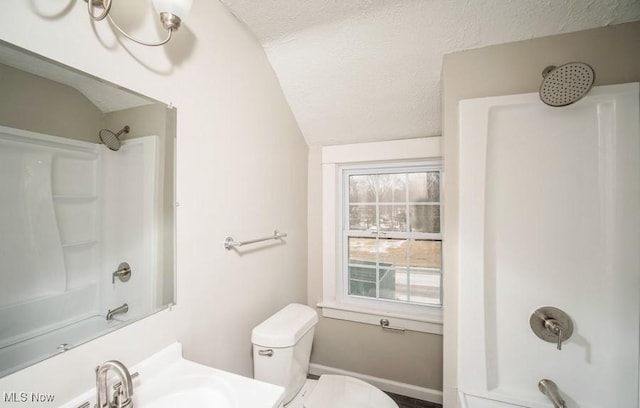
(402, 167)
(335, 304)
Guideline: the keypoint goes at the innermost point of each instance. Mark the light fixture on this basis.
(172, 13)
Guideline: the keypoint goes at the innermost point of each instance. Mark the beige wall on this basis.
(614, 54)
(411, 358)
(142, 120)
(33, 103)
(241, 171)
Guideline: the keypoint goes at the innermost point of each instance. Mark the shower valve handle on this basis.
(555, 327)
(552, 325)
(560, 338)
(123, 273)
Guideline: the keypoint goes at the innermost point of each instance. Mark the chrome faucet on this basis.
(550, 389)
(122, 395)
(120, 309)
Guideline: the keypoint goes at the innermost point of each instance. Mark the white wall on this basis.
(242, 168)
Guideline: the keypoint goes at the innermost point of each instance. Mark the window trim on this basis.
(420, 318)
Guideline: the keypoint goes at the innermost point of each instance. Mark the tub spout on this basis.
(550, 389)
(120, 309)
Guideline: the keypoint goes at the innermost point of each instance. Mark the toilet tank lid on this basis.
(286, 327)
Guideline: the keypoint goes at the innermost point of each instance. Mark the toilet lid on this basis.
(339, 391)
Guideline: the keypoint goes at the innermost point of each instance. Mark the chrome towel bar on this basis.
(229, 242)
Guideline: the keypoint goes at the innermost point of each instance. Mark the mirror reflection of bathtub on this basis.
(73, 210)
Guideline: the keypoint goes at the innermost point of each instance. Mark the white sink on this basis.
(186, 390)
(166, 380)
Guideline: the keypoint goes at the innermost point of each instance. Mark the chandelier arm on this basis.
(155, 44)
(91, 6)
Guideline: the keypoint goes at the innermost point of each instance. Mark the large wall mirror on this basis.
(87, 237)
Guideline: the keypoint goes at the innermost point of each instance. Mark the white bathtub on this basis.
(26, 352)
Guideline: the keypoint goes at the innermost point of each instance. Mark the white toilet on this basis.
(281, 352)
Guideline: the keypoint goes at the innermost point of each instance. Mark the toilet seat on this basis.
(339, 391)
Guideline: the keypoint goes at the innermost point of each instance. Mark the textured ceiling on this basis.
(369, 70)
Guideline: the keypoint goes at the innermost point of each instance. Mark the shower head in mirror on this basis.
(566, 84)
(112, 140)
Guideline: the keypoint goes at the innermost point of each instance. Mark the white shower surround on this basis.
(77, 211)
(369, 70)
(549, 215)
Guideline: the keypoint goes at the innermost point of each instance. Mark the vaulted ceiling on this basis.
(369, 70)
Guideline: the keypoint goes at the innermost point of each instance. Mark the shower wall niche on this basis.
(550, 216)
(71, 212)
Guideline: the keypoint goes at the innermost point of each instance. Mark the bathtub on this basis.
(28, 351)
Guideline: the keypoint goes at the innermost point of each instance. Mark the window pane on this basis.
(425, 286)
(425, 273)
(393, 266)
(393, 251)
(391, 281)
(425, 218)
(393, 260)
(392, 188)
(362, 267)
(399, 290)
(363, 251)
(426, 254)
(362, 281)
(362, 189)
(393, 218)
(400, 269)
(362, 217)
(424, 187)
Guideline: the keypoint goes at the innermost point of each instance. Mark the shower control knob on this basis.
(552, 325)
(123, 273)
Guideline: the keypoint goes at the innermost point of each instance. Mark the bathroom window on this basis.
(391, 234)
(382, 233)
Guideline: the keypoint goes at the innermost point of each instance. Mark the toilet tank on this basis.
(282, 348)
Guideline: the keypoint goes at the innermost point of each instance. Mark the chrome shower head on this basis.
(112, 140)
(566, 84)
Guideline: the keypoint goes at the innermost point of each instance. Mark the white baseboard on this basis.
(409, 390)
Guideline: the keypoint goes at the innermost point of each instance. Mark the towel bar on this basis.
(230, 243)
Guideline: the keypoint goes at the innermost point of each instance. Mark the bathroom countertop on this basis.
(167, 375)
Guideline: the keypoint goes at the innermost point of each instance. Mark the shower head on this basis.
(112, 140)
(566, 84)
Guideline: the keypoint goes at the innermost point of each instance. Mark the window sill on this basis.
(428, 323)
